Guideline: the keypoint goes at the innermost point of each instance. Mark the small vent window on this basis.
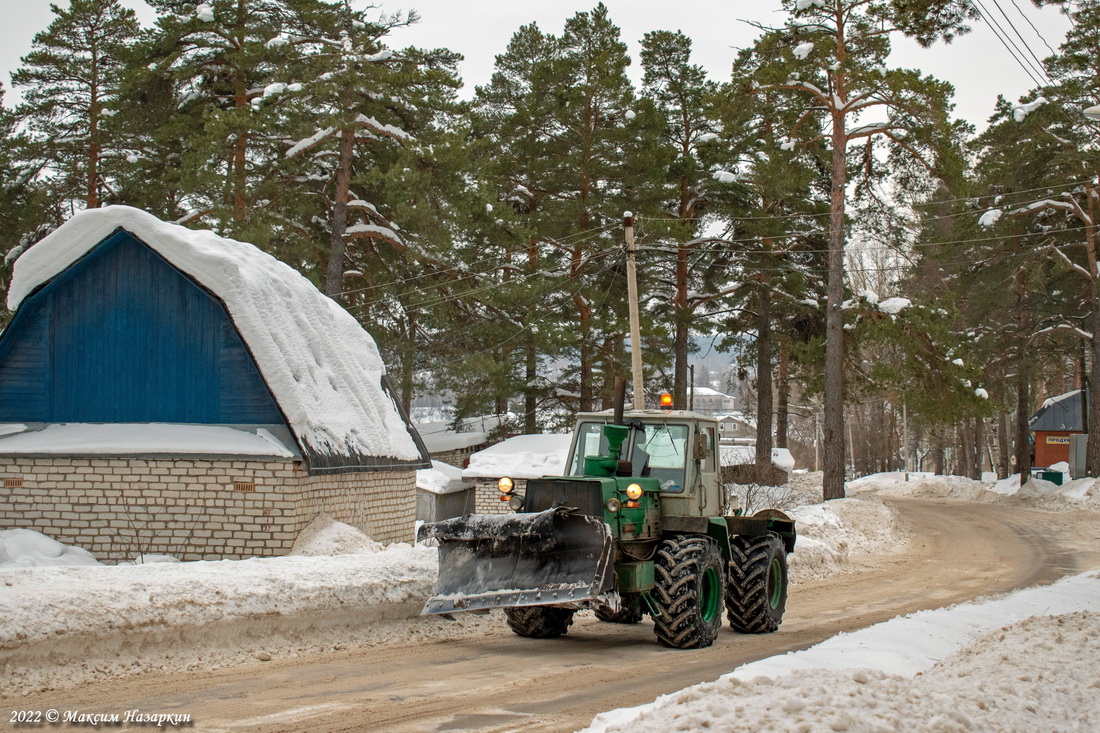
(244, 486)
(13, 482)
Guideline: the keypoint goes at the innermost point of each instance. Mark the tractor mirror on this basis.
(700, 451)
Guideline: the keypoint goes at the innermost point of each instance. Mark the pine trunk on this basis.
(783, 395)
(763, 379)
(833, 479)
(334, 271)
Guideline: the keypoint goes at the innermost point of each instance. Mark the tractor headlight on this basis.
(516, 502)
(506, 485)
(613, 505)
(634, 491)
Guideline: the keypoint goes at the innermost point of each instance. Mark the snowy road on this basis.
(498, 681)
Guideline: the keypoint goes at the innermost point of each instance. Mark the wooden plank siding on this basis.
(123, 336)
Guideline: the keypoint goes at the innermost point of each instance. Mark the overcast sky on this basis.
(977, 64)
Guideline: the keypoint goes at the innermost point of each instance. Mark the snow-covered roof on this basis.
(439, 437)
(707, 392)
(441, 478)
(524, 456)
(322, 368)
(1061, 412)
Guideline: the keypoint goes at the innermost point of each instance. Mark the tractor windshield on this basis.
(653, 449)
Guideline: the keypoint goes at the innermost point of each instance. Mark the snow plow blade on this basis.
(532, 559)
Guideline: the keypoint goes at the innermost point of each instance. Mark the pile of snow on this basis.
(1074, 495)
(323, 369)
(831, 536)
(441, 478)
(1012, 663)
(524, 456)
(325, 536)
(25, 548)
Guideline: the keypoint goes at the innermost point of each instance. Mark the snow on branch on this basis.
(383, 129)
(1064, 327)
(303, 145)
(871, 128)
(1071, 263)
(373, 231)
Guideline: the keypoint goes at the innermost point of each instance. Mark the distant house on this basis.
(735, 427)
(710, 401)
(168, 390)
(1058, 419)
(455, 447)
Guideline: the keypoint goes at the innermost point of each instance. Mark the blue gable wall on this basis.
(122, 336)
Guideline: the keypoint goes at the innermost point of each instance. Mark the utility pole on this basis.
(905, 437)
(635, 327)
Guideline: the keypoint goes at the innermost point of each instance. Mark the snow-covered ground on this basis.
(1022, 662)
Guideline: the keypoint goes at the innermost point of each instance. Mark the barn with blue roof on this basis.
(168, 390)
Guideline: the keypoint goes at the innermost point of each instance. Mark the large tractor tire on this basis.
(690, 575)
(756, 593)
(539, 622)
(630, 612)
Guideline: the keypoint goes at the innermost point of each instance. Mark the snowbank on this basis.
(832, 535)
(65, 625)
(1079, 494)
(1018, 662)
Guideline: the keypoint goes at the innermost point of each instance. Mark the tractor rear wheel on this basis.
(630, 612)
(539, 622)
(756, 593)
(690, 576)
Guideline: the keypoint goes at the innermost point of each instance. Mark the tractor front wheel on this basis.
(539, 622)
(690, 575)
(756, 594)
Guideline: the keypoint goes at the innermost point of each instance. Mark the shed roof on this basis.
(1059, 413)
(323, 369)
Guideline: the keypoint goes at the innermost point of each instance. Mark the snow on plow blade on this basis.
(533, 559)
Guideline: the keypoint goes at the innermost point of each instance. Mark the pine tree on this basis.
(682, 96)
(70, 82)
(834, 66)
(219, 58)
(574, 154)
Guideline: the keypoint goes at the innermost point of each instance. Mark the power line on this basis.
(1006, 42)
(1037, 33)
(1012, 25)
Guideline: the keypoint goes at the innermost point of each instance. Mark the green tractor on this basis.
(639, 525)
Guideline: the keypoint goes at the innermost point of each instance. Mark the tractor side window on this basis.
(666, 448)
(590, 442)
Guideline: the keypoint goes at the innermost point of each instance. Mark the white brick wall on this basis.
(191, 508)
(487, 496)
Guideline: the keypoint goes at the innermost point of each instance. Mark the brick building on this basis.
(168, 390)
(1053, 425)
